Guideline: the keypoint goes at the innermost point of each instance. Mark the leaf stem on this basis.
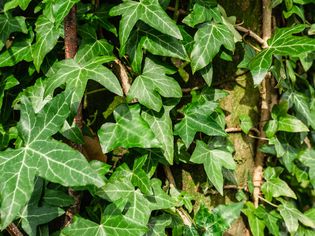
(270, 203)
(176, 12)
(13, 230)
(250, 34)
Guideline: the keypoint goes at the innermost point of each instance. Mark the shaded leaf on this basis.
(158, 224)
(213, 161)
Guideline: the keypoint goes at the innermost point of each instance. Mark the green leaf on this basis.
(58, 198)
(47, 35)
(246, 123)
(19, 51)
(200, 13)
(152, 83)
(208, 41)
(130, 130)
(10, 24)
(307, 157)
(293, 216)
(275, 187)
(33, 215)
(161, 125)
(115, 225)
(150, 12)
(257, 225)
(139, 177)
(23, 4)
(289, 123)
(283, 43)
(229, 212)
(61, 8)
(158, 224)
(6, 84)
(198, 118)
(213, 161)
(40, 155)
(76, 75)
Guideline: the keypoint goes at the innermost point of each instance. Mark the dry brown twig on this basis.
(13, 230)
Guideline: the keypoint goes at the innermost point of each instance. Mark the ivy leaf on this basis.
(283, 43)
(55, 197)
(140, 177)
(307, 157)
(161, 125)
(208, 41)
(246, 123)
(61, 9)
(33, 215)
(198, 118)
(150, 12)
(213, 160)
(293, 216)
(123, 134)
(289, 123)
(152, 83)
(47, 35)
(115, 225)
(275, 187)
(158, 224)
(19, 51)
(40, 155)
(10, 24)
(6, 84)
(201, 12)
(257, 225)
(23, 4)
(76, 75)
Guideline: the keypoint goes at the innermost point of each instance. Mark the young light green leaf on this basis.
(10, 24)
(76, 75)
(47, 35)
(150, 12)
(123, 134)
(152, 83)
(213, 161)
(201, 13)
(246, 123)
(158, 224)
(275, 187)
(198, 118)
(23, 4)
(257, 225)
(283, 43)
(293, 216)
(161, 125)
(208, 41)
(289, 123)
(40, 155)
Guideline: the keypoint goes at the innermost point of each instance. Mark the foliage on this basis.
(157, 123)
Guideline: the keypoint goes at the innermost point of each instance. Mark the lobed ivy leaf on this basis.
(115, 225)
(6, 84)
(152, 84)
(40, 155)
(293, 216)
(208, 41)
(55, 197)
(75, 75)
(246, 123)
(289, 123)
(19, 51)
(150, 12)
(213, 160)
(283, 43)
(61, 9)
(198, 118)
(47, 35)
(10, 24)
(275, 187)
(256, 224)
(161, 125)
(122, 134)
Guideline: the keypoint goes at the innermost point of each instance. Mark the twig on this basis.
(122, 74)
(71, 47)
(251, 34)
(265, 97)
(270, 203)
(180, 11)
(169, 175)
(237, 130)
(13, 230)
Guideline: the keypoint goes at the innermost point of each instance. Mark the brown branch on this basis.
(250, 34)
(122, 74)
(71, 47)
(238, 130)
(169, 175)
(265, 99)
(13, 230)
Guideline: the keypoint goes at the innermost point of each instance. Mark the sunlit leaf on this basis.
(40, 155)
